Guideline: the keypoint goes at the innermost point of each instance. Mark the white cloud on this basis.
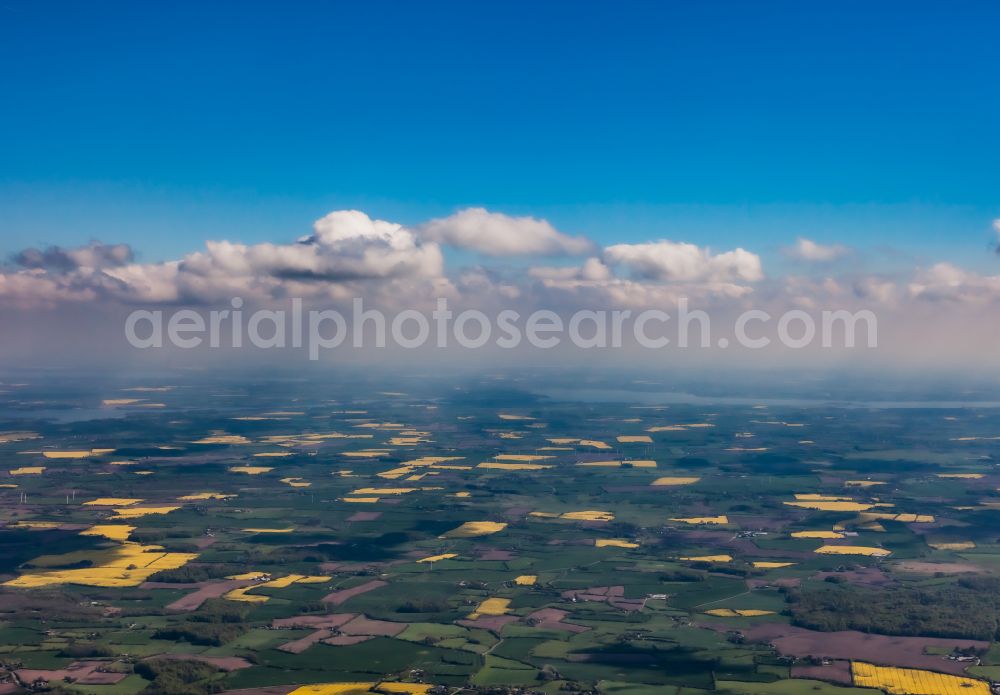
(594, 283)
(347, 249)
(345, 245)
(152, 282)
(26, 288)
(808, 250)
(351, 226)
(348, 254)
(93, 255)
(944, 281)
(480, 284)
(876, 289)
(682, 262)
(593, 269)
(496, 234)
(576, 293)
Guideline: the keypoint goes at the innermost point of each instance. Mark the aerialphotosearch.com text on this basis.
(316, 331)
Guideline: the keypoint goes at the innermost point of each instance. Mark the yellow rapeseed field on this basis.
(708, 558)
(953, 545)
(915, 518)
(250, 470)
(522, 458)
(222, 439)
(614, 543)
(472, 529)
(966, 476)
(513, 466)
(816, 534)
(580, 442)
(135, 512)
(28, 470)
(384, 491)
(911, 681)
(588, 515)
(737, 612)
(40, 525)
(129, 564)
(242, 595)
(360, 500)
(721, 519)
(295, 482)
(205, 496)
(112, 502)
(334, 689)
(394, 473)
(619, 464)
(403, 688)
(279, 583)
(675, 480)
(491, 606)
(831, 506)
(436, 558)
(431, 460)
(526, 580)
(282, 582)
(634, 439)
(10, 437)
(406, 441)
(765, 565)
(115, 532)
(66, 454)
(906, 518)
(852, 550)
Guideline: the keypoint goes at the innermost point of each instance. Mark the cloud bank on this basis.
(523, 263)
(812, 252)
(496, 234)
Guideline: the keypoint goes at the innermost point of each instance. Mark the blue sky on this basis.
(720, 123)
